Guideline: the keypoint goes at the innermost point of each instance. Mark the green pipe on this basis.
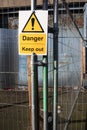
(45, 93)
(45, 81)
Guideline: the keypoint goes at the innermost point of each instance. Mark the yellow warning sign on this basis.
(33, 32)
(33, 25)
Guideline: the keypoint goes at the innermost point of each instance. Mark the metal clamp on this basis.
(41, 63)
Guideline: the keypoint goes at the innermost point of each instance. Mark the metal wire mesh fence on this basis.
(14, 100)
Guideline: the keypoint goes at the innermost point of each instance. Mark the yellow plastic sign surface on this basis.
(32, 43)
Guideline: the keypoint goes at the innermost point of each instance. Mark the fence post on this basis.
(45, 81)
(34, 93)
(33, 7)
(55, 65)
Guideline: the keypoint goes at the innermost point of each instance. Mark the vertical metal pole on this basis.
(33, 4)
(33, 125)
(45, 94)
(34, 93)
(35, 121)
(55, 65)
(45, 82)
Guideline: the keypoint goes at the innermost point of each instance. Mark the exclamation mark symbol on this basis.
(32, 23)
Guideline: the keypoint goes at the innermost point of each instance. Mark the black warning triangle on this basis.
(33, 25)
